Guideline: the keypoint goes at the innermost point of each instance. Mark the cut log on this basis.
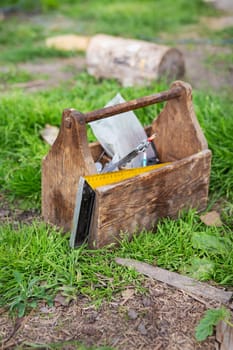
(68, 42)
(181, 282)
(132, 62)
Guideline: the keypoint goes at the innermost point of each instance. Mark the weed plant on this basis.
(20, 42)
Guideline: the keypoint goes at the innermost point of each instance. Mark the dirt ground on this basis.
(162, 318)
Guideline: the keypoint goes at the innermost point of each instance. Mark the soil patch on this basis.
(162, 318)
(12, 214)
(56, 71)
(201, 73)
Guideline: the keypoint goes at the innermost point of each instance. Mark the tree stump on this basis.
(132, 62)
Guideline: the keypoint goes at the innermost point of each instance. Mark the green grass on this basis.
(138, 18)
(36, 261)
(11, 77)
(32, 254)
(215, 115)
(21, 41)
(220, 62)
(225, 34)
(23, 116)
(31, 6)
(187, 246)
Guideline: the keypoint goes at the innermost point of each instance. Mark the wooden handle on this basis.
(131, 105)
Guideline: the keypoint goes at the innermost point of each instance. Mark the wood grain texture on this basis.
(178, 281)
(132, 61)
(68, 159)
(224, 335)
(132, 104)
(137, 203)
(178, 132)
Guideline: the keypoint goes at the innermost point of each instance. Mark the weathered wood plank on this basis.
(139, 202)
(178, 281)
(68, 159)
(178, 132)
(224, 335)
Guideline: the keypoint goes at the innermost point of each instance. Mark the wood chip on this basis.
(127, 294)
(132, 314)
(142, 329)
(61, 300)
(179, 281)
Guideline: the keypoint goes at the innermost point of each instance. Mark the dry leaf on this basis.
(61, 300)
(49, 133)
(211, 219)
(127, 294)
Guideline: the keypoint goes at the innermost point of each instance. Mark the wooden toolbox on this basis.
(138, 202)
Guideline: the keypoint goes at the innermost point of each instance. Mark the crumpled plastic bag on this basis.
(120, 134)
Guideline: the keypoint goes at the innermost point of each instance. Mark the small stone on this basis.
(47, 310)
(61, 300)
(90, 330)
(132, 314)
(158, 293)
(92, 317)
(146, 301)
(142, 329)
(4, 213)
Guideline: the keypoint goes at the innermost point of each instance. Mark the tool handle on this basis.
(133, 104)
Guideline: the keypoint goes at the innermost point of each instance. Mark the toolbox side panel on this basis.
(137, 203)
(179, 134)
(68, 159)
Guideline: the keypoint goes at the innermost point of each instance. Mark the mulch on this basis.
(161, 318)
